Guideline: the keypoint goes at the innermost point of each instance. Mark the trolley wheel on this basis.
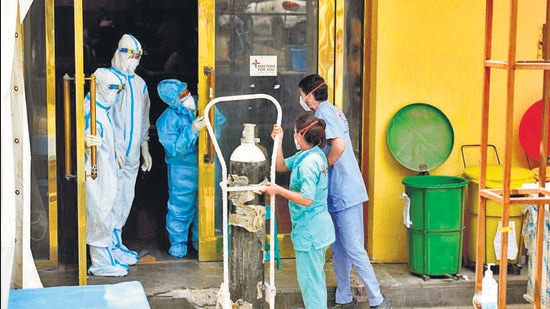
(453, 276)
(425, 277)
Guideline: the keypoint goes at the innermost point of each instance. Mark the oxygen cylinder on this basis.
(248, 161)
(247, 167)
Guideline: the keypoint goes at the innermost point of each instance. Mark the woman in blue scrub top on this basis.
(312, 227)
(347, 193)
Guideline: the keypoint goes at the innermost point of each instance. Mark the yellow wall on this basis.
(432, 51)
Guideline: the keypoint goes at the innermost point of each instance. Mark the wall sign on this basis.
(263, 65)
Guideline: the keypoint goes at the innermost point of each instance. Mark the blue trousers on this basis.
(348, 250)
(182, 203)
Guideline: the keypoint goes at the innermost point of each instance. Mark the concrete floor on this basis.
(187, 283)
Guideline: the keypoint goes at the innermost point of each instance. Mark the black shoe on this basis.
(385, 304)
(350, 305)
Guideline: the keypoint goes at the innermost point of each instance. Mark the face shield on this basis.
(128, 53)
(108, 86)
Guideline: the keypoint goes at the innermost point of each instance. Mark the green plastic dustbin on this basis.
(436, 217)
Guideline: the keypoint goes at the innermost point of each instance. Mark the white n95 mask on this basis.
(304, 105)
(188, 102)
(297, 145)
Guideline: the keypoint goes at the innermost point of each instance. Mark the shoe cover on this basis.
(127, 257)
(104, 264)
(178, 250)
(121, 252)
(108, 271)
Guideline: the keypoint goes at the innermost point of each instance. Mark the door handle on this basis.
(93, 130)
(211, 86)
(67, 124)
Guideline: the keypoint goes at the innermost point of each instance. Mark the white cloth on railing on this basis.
(529, 233)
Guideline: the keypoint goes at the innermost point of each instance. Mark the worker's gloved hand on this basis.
(198, 124)
(147, 160)
(92, 140)
(120, 158)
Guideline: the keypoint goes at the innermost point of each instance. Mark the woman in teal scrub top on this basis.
(312, 227)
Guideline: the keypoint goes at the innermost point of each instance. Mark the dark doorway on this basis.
(167, 30)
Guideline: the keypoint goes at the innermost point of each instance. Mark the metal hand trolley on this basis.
(224, 298)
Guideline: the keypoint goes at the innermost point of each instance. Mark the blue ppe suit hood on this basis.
(169, 91)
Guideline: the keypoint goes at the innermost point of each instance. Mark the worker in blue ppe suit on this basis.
(347, 192)
(177, 129)
(131, 119)
(100, 193)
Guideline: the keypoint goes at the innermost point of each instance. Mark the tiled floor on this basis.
(171, 283)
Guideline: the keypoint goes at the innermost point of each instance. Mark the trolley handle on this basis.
(223, 295)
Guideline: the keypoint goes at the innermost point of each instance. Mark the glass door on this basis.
(246, 48)
(40, 97)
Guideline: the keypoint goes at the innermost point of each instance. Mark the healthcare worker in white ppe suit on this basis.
(177, 128)
(100, 196)
(131, 119)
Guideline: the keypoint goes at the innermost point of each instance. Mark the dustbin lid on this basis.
(530, 131)
(434, 181)
(420, 137)
(495, 173)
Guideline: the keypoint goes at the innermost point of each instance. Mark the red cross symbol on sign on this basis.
(255, 63)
